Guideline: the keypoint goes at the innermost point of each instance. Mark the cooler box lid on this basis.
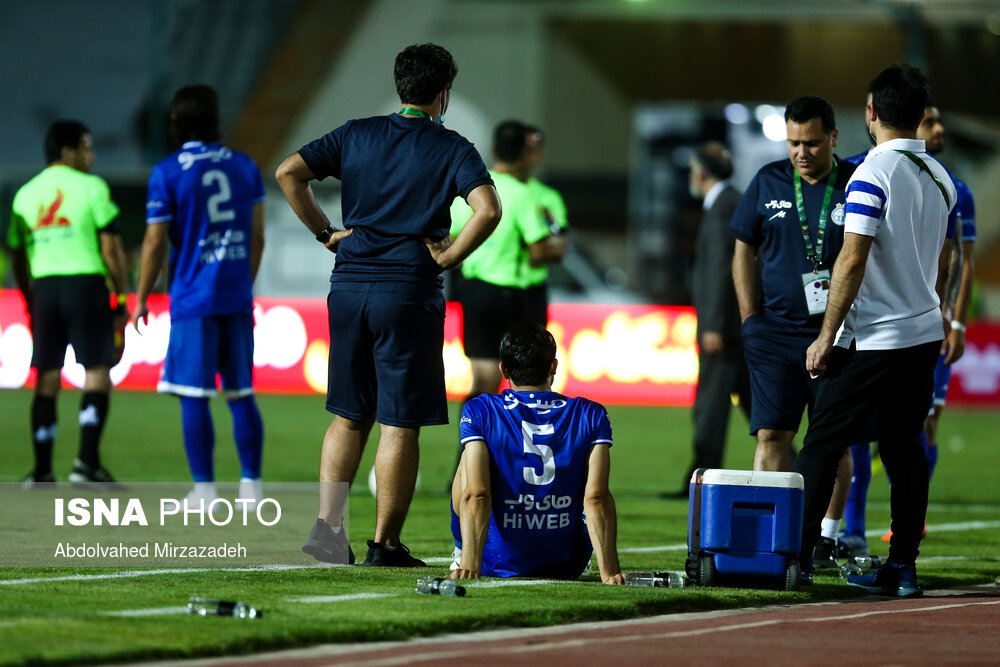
(787, 480)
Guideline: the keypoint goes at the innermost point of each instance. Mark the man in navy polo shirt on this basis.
(790, 221)
(400, 174)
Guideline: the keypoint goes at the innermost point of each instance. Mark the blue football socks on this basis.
(248, 431)
(854, 512)
(199, 437)
(931, 452)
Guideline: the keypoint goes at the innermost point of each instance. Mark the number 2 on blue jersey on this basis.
(218, 178)
(530, 430)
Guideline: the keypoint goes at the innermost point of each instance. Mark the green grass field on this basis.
(68, 621)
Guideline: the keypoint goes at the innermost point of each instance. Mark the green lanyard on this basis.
(815, 253)
(410, 111)
(923, 167)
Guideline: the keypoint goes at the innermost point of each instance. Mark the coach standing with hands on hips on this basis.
(400, 174)
(883, 325)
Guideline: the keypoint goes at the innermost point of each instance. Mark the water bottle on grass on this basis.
(439, 586)
(212, 607)
(656, 579)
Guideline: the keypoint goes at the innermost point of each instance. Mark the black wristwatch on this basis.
(325, 235)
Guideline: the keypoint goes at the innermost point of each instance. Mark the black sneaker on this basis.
(824, 557)
(99, 478)
(381, 556)
(33, 481)
(330, 547)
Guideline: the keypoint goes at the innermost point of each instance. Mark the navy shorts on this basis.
(201, 348)
(942, 376)
(386, 343)
(71, 310)
(487, 311)
(780, 386)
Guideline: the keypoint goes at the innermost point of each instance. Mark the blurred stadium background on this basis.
(623, 88)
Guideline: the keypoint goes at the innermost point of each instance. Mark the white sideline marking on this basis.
(154, 611)
(146, 573)
(941, 528)
(341, 598)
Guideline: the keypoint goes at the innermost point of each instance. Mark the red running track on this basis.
(944, 627)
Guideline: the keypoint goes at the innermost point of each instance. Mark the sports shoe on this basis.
(325, 545)
(824, 556)
(99, 478)
(380, 555)
(253, 490)
(849, 546)
(32, 481)
(890, 579)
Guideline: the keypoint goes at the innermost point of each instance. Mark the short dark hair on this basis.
(422, 71)
(194, 114)
(63, 134)
(509, 139)
(804, 109)
(900, 95)
(715, 159)
(527, 351)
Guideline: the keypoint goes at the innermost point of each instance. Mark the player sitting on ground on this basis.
(531, 491)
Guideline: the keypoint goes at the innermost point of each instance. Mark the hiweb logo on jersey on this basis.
(157, 525)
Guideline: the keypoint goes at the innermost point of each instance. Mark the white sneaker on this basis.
(253, 490)
(202, 491)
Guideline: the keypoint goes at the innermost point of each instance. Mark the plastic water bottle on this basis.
(859, 565)
(656, 579)
(212, 607)
(439, 586)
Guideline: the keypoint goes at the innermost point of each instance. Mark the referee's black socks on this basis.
(43, 432)
(93, 413)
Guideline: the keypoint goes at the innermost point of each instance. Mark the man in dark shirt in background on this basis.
(400, 174)
(722, 368)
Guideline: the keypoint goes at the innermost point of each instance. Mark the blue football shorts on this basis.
(202, 348)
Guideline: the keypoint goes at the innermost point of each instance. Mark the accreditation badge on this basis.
(817, 288)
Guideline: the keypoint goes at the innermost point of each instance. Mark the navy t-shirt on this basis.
(768, 219)
(400, 176)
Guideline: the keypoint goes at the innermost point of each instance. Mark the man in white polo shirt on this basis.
(883, 326)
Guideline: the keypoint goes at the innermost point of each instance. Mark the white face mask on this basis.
(870, 133)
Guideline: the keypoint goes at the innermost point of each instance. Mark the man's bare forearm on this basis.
(151, 257)
(964, 297)
(293, 176)
(848, 273)
(475, 522)
(745, 279)
(114, 260)
(22, 274)
(602, 525)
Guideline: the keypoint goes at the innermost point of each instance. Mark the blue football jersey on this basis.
(206, 192)
(966, 208)
(539, 444)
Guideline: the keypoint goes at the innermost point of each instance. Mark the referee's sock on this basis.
(931, 452)
(199, 437)
(43, 432)
(857, 499)
(93, 415)
(248, 431)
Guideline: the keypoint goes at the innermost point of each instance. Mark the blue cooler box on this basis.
(743, 524)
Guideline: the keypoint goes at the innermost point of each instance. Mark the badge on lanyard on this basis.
(816, 283)
(817, 287)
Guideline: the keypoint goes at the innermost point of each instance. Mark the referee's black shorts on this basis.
(71, 310)
(487, 311)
